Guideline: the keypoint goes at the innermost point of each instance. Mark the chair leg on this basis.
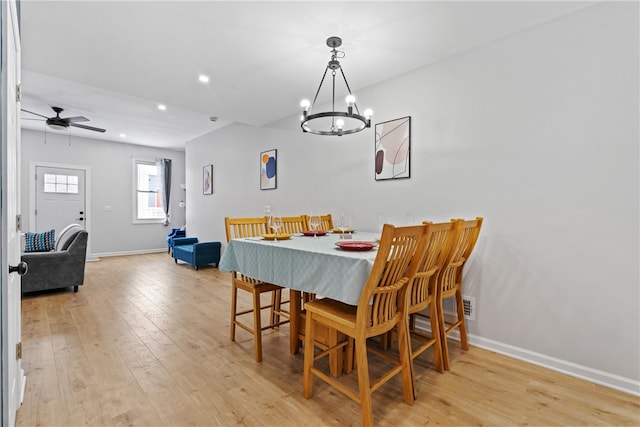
(435, 334)
(385, 341)
(276, 299)
(364, 385)
(309, 339)
(257, 325)
(443, 336)
(463, 325)
(348, 355)
(404, 348)
(234, 309)
(336, 362)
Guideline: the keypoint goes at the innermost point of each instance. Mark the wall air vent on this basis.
(469, 303)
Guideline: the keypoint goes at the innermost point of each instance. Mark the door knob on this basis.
(21, 268)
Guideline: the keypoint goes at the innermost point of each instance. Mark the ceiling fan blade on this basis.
(31, 112)
(75, 119)
(87, 127)
(27, 118)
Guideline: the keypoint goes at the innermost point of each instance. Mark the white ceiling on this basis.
(114, 61)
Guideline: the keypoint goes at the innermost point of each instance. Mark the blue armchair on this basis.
(175, 232)
(198, 254)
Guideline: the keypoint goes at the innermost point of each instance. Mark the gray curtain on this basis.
(164, 167)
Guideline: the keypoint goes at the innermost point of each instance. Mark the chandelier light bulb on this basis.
(350, 100)
(368, 113)
(305, 104)
(340, 124)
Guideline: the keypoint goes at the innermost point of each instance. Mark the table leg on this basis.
(294, 321)
(336, 357)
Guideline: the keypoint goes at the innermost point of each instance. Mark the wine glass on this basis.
(381, 219)
(343, 223)
(314, 223)
(276, 224)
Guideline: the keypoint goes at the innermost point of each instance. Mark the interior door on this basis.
(60, 198)
(12, 373)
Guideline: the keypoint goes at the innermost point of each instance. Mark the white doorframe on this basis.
(12, 374)
(87, 200)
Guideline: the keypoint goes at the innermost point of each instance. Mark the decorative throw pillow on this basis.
(39, 242)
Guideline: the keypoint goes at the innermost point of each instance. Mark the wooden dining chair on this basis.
(252, 227)
(382, 306)
(294, 224)
(326, 222)
(450, 282)
(424, 288)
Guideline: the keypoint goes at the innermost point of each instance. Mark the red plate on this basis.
(318, 233)
(356, 246)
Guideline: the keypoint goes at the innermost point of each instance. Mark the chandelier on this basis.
(334, 122)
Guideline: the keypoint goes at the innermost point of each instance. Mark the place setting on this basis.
(346, 242)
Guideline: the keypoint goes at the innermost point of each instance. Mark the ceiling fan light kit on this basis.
(334, 123)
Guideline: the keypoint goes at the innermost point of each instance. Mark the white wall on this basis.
(112, 231)
(537, 133)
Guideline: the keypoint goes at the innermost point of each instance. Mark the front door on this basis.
(12, 373)
(60, 198)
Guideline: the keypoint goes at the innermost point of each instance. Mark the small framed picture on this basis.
(207, 179)
(393, 149)
(268, 169)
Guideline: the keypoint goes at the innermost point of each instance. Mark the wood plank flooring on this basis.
(145, 342)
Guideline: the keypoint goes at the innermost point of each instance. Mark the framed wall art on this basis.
(268, 169)
(393, 149)
(207, 179)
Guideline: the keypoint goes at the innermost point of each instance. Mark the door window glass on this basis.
(67, 184)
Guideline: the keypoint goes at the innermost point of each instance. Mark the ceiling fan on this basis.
(62, 123)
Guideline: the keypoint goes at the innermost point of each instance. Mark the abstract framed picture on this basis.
(207, 179)
(393, 149)
(269, 170)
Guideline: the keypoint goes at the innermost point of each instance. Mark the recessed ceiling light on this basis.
(122, 135)
(203, 78)
(162, 107)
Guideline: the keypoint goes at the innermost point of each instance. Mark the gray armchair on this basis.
(57, 269)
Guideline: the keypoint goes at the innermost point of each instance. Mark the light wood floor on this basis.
(145, 342)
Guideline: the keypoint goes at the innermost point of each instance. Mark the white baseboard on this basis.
(596, 376)
(138, 252)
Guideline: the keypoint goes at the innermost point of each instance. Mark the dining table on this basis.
(303, 263)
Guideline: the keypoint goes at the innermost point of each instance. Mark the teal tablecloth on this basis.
(304, 263)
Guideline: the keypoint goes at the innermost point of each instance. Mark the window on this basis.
(147, 194)
(67, 184)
